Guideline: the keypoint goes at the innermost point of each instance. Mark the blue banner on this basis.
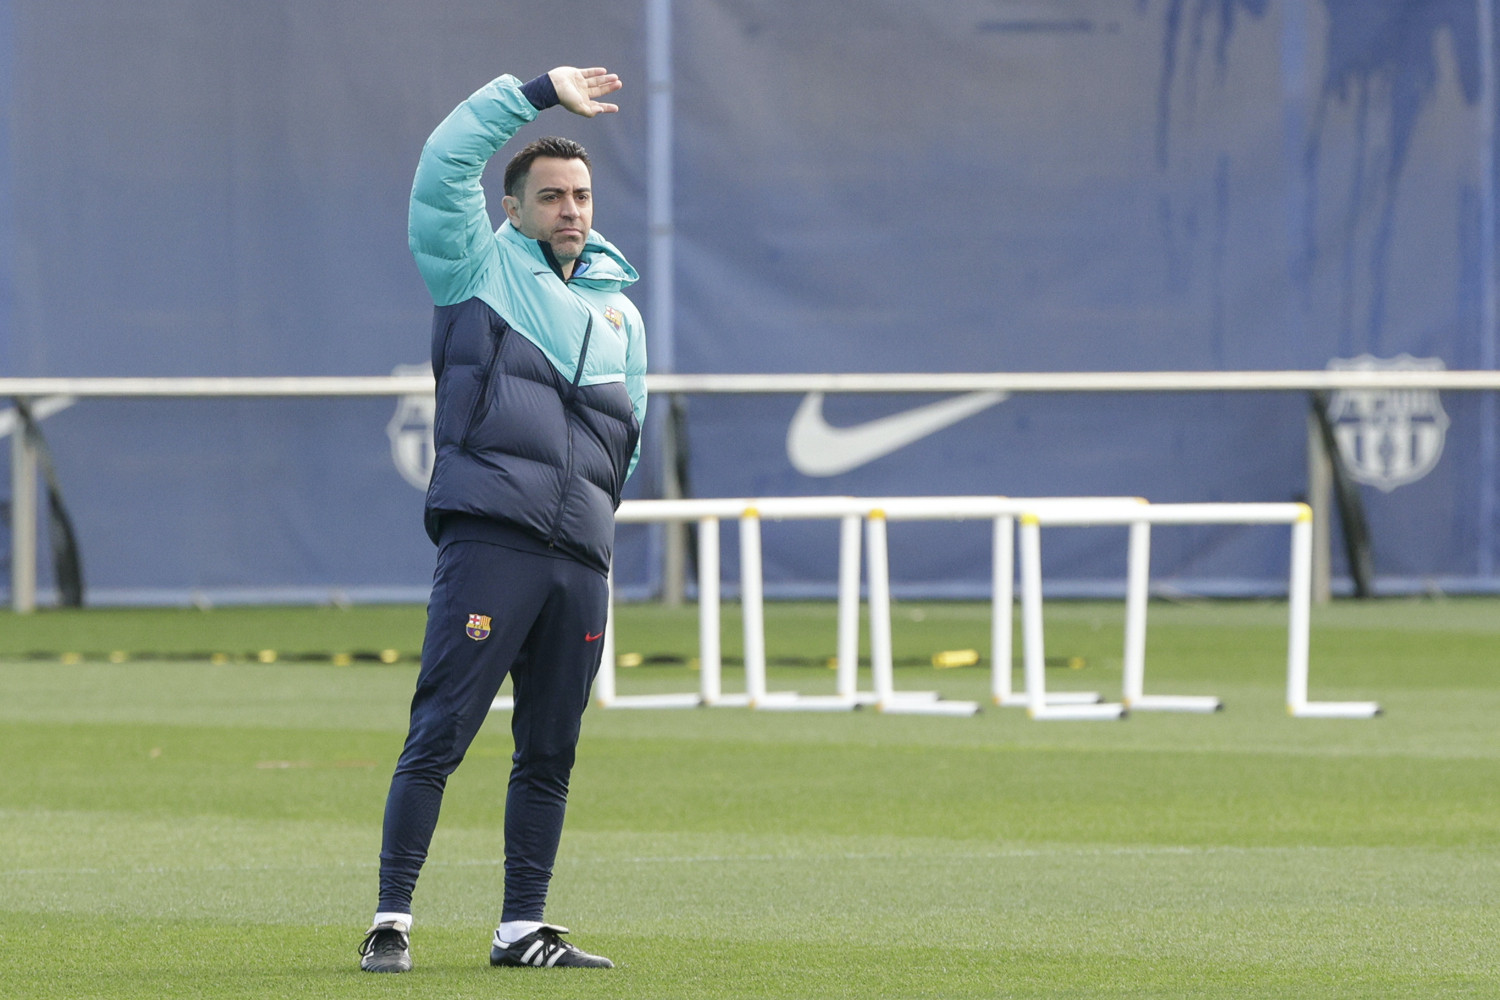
(221, 189)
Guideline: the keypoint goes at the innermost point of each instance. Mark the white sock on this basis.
(514, 930)
(404, 919)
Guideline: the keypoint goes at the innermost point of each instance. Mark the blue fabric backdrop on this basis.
(211, 188)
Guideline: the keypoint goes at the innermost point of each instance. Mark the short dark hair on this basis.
(519, 167)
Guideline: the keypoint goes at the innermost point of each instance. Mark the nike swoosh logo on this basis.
(591, 638)
(817, 449)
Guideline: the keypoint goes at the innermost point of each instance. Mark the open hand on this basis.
(578, 90)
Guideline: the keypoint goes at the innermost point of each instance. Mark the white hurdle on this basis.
(1298, 516)
(882, 666)
(707, 514)
(849, 511)
(1003, 511)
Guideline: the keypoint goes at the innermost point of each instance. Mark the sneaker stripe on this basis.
(543, 949)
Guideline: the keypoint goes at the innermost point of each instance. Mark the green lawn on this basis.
(176, 827)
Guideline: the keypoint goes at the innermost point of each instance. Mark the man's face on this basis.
(556, 205)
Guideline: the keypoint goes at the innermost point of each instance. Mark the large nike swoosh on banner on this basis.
(817, 449)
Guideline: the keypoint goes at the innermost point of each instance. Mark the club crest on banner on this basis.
(1388, 437)
(410, 431)
(478, 627)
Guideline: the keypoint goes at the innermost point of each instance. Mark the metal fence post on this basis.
(1319, 498)
(23, 514)
(674, 539)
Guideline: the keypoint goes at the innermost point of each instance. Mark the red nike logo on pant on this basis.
(591, 638)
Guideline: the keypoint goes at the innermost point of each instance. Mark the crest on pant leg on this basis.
(478, 627)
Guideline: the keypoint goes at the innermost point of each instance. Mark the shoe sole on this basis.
(498, 961)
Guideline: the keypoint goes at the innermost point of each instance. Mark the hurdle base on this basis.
(1174, 703)
(810, 703)
(1070, 713)
(871, 698)
(771, 699)
(1023, 700)
(1334, 710)
(903, 704)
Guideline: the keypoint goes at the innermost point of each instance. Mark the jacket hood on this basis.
(607, 263)
(607, 266)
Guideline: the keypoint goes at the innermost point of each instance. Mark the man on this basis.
(540, 363)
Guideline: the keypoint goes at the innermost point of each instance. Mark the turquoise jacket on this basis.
(541, 382)
(461, 257)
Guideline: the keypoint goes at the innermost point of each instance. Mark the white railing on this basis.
(401, 385)
(24, 459)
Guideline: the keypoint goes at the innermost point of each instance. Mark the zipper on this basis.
(583, 353)
(562, 499)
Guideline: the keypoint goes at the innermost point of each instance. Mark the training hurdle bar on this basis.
(748, 512)
(1002, 511)
(884, 697)
(849, 511)
(706, 514)
(1139, 521)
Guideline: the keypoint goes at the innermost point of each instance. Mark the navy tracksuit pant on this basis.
(537, 616)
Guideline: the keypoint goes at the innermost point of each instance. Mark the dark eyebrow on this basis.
(560, 190)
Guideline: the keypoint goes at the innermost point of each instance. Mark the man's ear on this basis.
(512, 206)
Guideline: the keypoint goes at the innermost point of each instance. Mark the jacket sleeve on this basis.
(635, 384)
(448, 228)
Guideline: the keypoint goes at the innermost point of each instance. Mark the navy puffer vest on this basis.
(520, 443)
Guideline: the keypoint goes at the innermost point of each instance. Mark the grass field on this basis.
(176, 827)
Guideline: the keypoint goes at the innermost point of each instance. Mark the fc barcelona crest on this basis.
(410, 431)
(478, 627)
(1388, 437)
(615, 317)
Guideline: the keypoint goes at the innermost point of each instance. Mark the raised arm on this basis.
(448, 226)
